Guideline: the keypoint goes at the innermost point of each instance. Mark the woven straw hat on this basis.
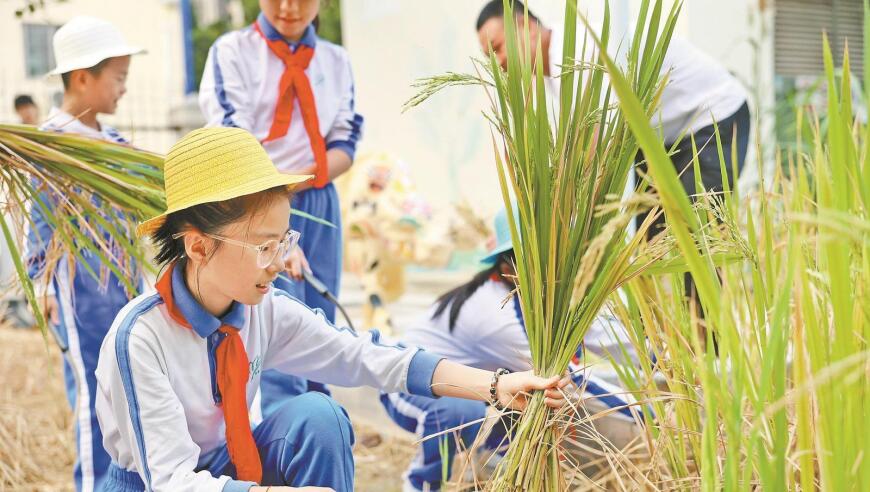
(213, 165)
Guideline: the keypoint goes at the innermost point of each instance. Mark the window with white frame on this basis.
(38, 52)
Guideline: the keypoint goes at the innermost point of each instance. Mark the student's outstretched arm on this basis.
(513, 389)
(303, 343)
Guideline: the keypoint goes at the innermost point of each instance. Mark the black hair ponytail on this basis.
(457, 297)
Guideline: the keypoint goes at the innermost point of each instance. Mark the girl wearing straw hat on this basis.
(295, 93)
(478, 324)
(179, 368)
(92, 61)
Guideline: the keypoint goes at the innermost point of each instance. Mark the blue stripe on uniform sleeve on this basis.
(317, 312)
(356, 124)
(347, 147)
(420, 373)
(220, 92)
(39, 233)
(122, 353)
(374, 333)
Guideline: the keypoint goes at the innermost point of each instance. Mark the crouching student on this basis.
(180, 367)
(480, 325)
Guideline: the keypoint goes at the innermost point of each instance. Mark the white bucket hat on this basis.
(86, 41)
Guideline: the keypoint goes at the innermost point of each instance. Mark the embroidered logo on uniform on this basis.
(255, 366)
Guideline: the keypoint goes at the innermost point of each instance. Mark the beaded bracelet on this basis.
(493, 392)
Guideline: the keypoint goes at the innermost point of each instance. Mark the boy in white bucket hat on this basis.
(92, 60)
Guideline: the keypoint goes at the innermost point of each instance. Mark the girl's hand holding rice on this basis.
(515, 389)
(511, 390)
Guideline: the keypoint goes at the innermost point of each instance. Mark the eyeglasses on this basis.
(267, 251)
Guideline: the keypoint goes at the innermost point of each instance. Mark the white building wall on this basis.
(445, 142)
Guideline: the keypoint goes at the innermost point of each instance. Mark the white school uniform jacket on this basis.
(699, 91)
(156, 394)
(63, 122)
(240, 88)
(490, 333)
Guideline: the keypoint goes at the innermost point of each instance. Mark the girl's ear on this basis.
(196, 246)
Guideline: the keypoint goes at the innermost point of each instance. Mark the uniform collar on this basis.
(60, 120)
(202, 322)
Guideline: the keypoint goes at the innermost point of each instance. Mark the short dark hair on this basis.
(208, 218)
(22, 100)
(95, 70)
(495, 8)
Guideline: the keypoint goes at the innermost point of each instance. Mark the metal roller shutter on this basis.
(798, 27)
